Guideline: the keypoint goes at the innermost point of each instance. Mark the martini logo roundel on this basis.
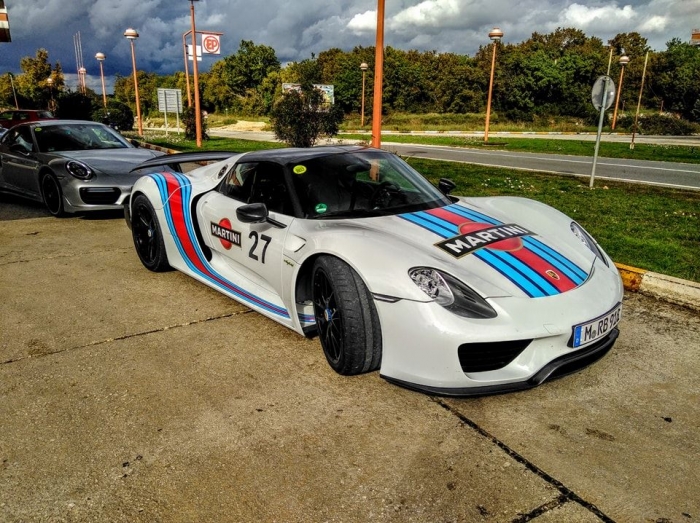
(226, 235)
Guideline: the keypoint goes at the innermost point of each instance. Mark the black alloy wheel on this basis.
(346, 317)
(147, 235)
(52, 194)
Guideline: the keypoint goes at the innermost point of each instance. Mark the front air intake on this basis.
(482, 357)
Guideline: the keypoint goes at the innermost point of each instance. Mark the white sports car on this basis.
(446, 295)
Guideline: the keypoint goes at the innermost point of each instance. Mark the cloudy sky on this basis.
(297, 28)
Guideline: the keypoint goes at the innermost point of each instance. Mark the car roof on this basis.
(299, 155)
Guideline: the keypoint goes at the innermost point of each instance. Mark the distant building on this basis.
(694, 36)
(4, 24)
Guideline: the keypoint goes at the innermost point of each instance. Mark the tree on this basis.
(676, 78)
(299, 118)
(31, 85)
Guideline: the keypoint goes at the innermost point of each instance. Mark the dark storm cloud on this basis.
(297, 29)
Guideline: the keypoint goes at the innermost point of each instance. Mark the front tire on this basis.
(53, 195)
(148, 238)
(346, 318)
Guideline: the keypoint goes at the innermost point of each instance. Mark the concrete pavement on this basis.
(132, 396)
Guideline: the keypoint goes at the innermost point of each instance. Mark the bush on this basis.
(74, 106)
(189, 120)
(659, 124)
(299, 118)
(117, 115)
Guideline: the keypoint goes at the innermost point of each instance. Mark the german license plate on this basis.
(593, 330)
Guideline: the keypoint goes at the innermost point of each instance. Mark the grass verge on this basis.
(652, 228)
(662, 153)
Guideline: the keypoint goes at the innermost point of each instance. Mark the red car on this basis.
(15, 116)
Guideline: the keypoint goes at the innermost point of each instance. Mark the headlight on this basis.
(588, 241)
(451, 293)
(79, 170)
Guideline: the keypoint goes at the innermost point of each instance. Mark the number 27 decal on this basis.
(264, 238)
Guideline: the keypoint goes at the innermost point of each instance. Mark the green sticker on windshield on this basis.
(37, 129)
(299, 169)
(321, 208)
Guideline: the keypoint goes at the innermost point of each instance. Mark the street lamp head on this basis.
(364, 66)
(100, 57)
(82, 70)
(496, 34)
(131, 34)
(49, 81)
(624, 60)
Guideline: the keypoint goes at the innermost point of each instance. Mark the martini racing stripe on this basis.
(573, 271)
(530, 268)
(175, 192)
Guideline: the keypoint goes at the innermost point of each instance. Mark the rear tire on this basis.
(148, 238)
(346, 318)
(52, 195)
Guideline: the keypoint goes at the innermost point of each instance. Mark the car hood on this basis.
(112, 162)
(499, 246)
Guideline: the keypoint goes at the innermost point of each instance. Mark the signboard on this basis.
(189, 52)
(327, 90)
(211, 43)
(169, 100)
(4, 23)
(695, 37)
(598, 92)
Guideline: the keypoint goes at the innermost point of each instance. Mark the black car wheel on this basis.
(346, 318)
(147, 235)
(52, 194)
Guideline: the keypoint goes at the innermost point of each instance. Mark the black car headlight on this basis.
(588, 241)
(79, 170)
(451, 293)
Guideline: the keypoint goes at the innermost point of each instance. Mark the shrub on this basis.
(299, 118)
(117, 115)
(74, 106)
(659, 124)
(190, 122)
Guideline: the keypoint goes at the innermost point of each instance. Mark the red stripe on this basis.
(525, 255)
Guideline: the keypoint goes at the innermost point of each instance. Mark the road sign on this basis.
(170, 100)
(598, 91)
(211, 44)
(189, 52)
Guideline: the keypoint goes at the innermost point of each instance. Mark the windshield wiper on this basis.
(344, 214)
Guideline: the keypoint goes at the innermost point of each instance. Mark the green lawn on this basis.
(649, 227)
(664, 153)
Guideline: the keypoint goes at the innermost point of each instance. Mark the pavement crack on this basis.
(566, 494)
(542, 509)
(129, 336)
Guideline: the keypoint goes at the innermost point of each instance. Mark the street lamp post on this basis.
(363, 67)
(82, 71)
(101, 58)
(49, 82)
(378, 78)
(131, 35)
(496, 34)
(14, 92)
(624, 60)
(195, 72)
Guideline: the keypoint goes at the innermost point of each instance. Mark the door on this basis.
(251, 253)
(18, 162)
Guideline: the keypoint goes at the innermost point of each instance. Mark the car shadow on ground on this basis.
(15, 208)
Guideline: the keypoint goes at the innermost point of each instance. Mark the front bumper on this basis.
(421, 340)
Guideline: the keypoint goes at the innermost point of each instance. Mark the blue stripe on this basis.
(533, 276)
(558, 260)
(529, 288)
(185, 189)
(440, 231)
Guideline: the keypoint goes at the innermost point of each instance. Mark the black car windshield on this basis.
(77, 137)
(360, 184)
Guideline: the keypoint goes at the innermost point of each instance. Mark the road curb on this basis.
(661, 286)
(145, 145)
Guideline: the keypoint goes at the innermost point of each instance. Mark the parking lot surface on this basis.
(132, 396)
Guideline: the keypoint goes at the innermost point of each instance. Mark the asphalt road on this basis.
(680, 175)
(140, 397)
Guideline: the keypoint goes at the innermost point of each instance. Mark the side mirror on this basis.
(135, 143)
(252, 213)
(446, 186)
(256, 213)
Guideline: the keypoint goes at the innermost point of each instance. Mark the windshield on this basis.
(77, 137)
(365, 183)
